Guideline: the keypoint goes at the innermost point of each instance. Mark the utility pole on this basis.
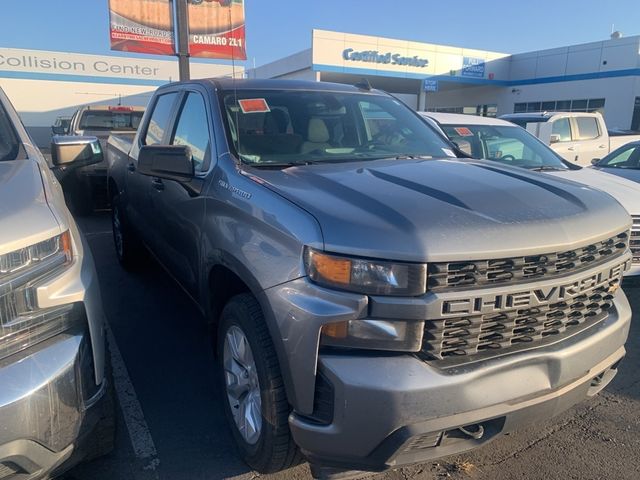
(182, 19)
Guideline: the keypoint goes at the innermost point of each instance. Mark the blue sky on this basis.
(276, 28)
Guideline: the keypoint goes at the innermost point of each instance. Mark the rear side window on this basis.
(588, 128)
(160, 118)
(562, 128)
(9, 144)
(193, 130)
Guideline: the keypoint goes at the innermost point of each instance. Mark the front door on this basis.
(565, 143)
(138, 202)
(179, 212)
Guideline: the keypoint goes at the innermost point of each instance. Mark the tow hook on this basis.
(475, 431)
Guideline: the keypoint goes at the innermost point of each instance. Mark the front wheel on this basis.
(255, 401)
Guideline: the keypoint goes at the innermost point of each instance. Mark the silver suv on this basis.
(56, 397)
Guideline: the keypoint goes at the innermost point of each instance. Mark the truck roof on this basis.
(115, 108)
(277, 84)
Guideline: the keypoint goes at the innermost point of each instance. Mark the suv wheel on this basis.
(255, 402)
(127, 245)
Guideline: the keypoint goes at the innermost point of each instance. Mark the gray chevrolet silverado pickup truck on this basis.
(374, 301)
(56, 394)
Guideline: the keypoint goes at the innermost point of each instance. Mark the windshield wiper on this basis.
(546, 168)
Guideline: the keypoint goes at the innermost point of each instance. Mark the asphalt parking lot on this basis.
(171, 423)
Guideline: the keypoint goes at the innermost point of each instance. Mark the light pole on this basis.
(182, 20)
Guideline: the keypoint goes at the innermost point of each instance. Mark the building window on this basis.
(581, 105)
(635, 121)
(490, 110)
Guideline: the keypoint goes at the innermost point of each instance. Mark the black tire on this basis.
(129, 249)
(274, 450)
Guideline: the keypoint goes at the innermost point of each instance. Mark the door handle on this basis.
(157, 184)
(131, 167)
(571, 149)
(602, 146)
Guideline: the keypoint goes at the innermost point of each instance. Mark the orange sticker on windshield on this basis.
(463, 132)
(254, 105)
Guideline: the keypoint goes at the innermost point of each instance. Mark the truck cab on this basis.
(578, 137)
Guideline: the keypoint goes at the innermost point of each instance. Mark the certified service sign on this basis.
(472, 67)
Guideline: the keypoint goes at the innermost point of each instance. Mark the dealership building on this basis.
(44, 85)
(600, 76)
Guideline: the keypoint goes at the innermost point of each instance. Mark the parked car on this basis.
(576, 136)
(505, 143)
(376, 302)
(623, 162)
(86, 189)
(56, 394)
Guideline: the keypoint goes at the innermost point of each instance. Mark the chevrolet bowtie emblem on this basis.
(614, 288)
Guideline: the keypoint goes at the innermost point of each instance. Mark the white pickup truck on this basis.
(576, 136)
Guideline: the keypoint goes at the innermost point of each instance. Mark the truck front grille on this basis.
(485, 273)
(510, 330)
(634, 244)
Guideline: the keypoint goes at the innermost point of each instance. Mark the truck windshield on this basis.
(110, 120)
(9, 144)
(271, 127)
(504, 144)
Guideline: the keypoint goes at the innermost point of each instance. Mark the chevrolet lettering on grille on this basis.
(531, 298)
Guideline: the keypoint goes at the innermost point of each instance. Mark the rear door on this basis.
(138, 186)
(179, 213)
(594, 143)
(566, 145)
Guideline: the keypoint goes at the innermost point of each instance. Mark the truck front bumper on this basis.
(394, 410)
(48, 404)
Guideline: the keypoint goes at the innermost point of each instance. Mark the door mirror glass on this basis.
(594, 161)
(75, 151)
(170, 162)
(554, 138)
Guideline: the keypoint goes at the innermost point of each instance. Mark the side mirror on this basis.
(554, 138)
(58, 130)
(170, 162)
(75, 151)
(594, 161)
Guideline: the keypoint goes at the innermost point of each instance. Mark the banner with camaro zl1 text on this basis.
(144, 26)
(217, 29)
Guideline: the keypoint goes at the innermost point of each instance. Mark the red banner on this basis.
(144, 26)
(217, 29)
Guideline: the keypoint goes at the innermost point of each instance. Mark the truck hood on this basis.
(445, 210)
(624, 191)
(25, 216)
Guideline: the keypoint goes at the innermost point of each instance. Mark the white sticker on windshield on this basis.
(448, 153)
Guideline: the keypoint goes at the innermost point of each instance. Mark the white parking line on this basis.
(139, 433)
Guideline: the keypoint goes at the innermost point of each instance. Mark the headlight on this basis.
(370, 277)
(22, 324)
(392, 335)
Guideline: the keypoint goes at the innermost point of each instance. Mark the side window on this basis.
(159, 119)
(588, 128)
(193, 130)
(621, 157)
(562, 128)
